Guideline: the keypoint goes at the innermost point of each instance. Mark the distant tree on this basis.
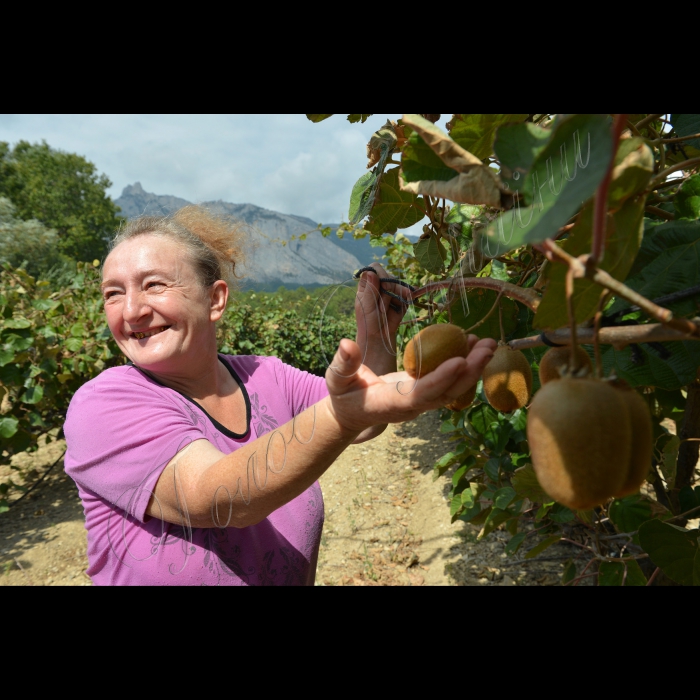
(64, 192)
(27, 244)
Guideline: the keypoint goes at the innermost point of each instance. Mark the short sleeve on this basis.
(121, 431)
(301, 389)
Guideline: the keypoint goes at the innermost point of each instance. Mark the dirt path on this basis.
(387, 523)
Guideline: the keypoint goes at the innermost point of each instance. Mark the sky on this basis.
(281, 162)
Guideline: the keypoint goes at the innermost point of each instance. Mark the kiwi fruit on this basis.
(555, 362)
(461, 402)
(642, 442)
(435, 344)
(580, 436)
(507, 379)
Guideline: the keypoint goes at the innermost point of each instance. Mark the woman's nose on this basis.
(135, 306)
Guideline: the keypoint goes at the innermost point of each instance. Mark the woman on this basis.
(201, 469)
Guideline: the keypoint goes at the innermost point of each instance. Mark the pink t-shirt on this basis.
(123, 428)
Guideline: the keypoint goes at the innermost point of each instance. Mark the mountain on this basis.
(274, 257)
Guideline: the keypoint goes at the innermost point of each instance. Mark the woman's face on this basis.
(158, 312)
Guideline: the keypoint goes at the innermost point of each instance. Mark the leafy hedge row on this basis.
(53, 341)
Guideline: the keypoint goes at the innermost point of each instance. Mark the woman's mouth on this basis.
(147, 334)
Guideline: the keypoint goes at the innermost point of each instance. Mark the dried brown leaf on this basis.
(476, 186)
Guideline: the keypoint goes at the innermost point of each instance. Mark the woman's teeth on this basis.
(140, 336)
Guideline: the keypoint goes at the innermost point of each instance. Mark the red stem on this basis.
(601, 195)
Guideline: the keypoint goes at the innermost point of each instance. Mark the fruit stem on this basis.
(596, 334)
(500, 321)
(601, 195)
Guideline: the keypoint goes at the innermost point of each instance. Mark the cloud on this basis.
(277, 161)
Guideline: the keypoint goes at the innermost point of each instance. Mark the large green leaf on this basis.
(687, 200)
(475, 132)
(612, 573)
(427, 252)
(393, 208)
(623, 236)
(629, 513)
(558, 182)
(660, 237)
(478, 303)
(674, 372)
(673, 549)
(526, 485)
(8, 427)
(634, 166)
(361, 197)
(517, 146)
(687, 125)
(673, 252)
(420, 162)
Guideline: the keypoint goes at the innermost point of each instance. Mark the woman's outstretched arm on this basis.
(202, 487)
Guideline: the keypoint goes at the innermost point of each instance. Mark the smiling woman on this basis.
(197, 468)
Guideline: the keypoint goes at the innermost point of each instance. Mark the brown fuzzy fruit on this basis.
(434, 345)
(642, 442)
(556, 360)
(579, 432)
(461, 402)
(507, 379)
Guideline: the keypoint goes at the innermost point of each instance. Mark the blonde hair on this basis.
(214, 243)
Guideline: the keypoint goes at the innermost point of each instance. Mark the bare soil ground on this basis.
(387, 523)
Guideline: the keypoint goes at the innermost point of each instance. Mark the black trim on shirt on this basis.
(221, 428)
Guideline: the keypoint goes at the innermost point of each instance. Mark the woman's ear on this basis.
(218, 298)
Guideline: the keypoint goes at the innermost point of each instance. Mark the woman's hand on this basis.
(378, 317)
(359, 399)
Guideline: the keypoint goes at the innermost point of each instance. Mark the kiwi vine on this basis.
(580, 232)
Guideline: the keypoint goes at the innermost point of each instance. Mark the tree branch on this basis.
(526, 296)
(618, 336)
(685, 165)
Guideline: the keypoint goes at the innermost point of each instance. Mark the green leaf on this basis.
(427, 252)
(673, 268)
(393, 208)
(420, 162)
(33, 394)
(517, 147)
(687, 199)
(612, 573)
(6, 356)
(495, 518)
(561, 514)
(475, 132)
(674, 550)
(556, 184)
(480, 417)
(687, 125)
(73, 344)
(514, 543)
(478, 304)
(569, 573)
(78, 330)
(455, 505)
(542, 546)
(17, 323)
(316, 118)
(623, 235)
(670, 459)
(503, 497)
(628, 513)
(446, 460)
(634, 166)
(675, 372)
(524, 481)
(360, 197)
(354, 118)
(8, 426)
(657, 239)
(463, 213)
